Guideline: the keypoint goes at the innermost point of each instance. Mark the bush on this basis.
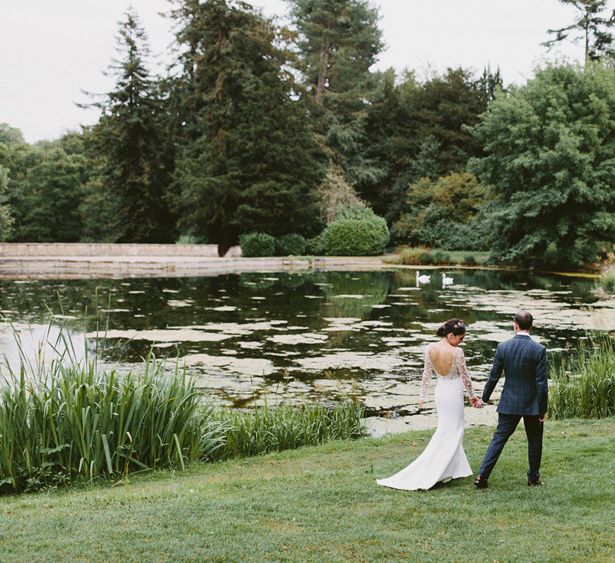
(357, 232)
(440, 257)
(257, 244)
(187, 239)
(314, 246)
(469, 260)
(607, 281)
(291, 245)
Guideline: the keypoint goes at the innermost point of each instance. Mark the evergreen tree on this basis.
(125, 198)
(338, 43)
(6, 221)
(249, 160)
(550, 157)
(591, 26)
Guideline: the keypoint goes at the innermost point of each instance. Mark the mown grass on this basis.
(584, 385)
(322, 504)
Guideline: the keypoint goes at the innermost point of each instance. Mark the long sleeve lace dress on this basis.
(444, 458)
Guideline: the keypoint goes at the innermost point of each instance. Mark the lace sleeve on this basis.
(463, 372)
(427, 371)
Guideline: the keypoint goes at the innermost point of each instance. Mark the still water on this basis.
(254, 337)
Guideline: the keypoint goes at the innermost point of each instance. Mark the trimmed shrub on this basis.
(358, 232)
(257, 244)
(314, 246)
(290, 245)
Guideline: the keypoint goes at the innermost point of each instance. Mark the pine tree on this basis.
(591, 27)
(338, 43)
(125, 199)
(249, 161)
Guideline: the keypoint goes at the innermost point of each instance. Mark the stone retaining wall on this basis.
(26, 249)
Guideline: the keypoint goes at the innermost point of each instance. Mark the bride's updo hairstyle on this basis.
(452, 326)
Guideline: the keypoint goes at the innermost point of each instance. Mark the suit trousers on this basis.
(507, 423)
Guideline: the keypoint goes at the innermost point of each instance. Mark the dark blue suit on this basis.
(525, 395)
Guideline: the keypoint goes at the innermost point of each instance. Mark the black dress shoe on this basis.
(534, 483)
(480, 482)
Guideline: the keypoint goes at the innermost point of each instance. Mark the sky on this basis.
(52, 51)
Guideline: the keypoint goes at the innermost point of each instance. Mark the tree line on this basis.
(257, 127)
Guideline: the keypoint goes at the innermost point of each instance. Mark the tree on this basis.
(6, 221)
(550, 156)
(125, 199)
(590, 26)
(445, 213)
(249, 161)
(338, 43)
(416, 130)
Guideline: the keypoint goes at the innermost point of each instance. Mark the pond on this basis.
(250, 338)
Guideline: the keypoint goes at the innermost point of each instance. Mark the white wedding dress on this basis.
(443, 459)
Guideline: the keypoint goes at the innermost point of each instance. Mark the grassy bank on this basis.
(419, 256)
(321, 503)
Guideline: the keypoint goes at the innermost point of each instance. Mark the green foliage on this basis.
(314, 246)
(6, 221)
(77, 422)
(549, 156)
(445, 213)
(416, 256)
(45, 188)
(338, 42)
(591, 27)
(290, 245)
(125, 198)
(187, 239)
(419, 129)
(607, 281)
(335, 194)
(357, 231)
(584, 385)
(268, 429)
(248, 160)
(257, 244)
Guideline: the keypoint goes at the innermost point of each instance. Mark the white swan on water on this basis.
(421, 279)
(446, 280)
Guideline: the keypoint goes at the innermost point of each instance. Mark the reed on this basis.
(584, 385)
(266, 429)
(69, 420)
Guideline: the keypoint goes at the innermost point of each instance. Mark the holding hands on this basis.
(476, 402)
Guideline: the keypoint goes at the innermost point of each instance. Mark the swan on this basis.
(421, 279)
(446, 280)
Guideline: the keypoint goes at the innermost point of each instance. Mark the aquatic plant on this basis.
(583, 386)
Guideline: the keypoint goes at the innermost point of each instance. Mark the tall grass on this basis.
(266, 429)
(68, 420)
(584, 385)
(607, 281)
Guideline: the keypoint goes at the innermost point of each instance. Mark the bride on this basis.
(443, 459)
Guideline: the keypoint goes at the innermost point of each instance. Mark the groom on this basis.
(525, 395)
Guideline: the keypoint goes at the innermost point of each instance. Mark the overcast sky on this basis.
(52, 50)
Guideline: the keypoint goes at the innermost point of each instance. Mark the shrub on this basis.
(607, 281)
(356, 232)
(440, 257)
(469, 259)
(314, 246)
(411, 256)
(187, 239)
(257, 244)
(291, 245)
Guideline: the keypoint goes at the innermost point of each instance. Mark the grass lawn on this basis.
(322, 504)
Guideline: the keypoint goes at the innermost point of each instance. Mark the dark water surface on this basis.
(302, 336)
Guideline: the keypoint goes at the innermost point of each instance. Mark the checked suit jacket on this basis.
(526, 388)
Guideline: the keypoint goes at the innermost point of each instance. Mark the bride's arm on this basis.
(465, 375)
(427, 369)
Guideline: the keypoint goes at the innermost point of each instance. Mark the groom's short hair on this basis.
(524, 319)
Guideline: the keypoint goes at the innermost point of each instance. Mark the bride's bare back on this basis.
(442, 356)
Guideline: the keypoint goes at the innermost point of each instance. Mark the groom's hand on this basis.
(542, 417)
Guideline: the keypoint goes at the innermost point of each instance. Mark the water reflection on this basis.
(309, 335)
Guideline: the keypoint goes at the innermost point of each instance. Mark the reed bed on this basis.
(584, 385)
(68, 421)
